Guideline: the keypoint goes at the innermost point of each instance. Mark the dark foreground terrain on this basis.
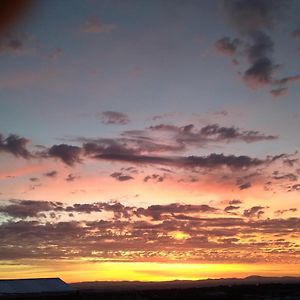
(237, 292)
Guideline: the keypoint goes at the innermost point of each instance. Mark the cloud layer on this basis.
(157, 232)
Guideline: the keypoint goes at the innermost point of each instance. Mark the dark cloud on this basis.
(11, 45)
(251, 19)
(67, 153)
(27, 208)
(289, 177)
(245, 185)
(289, 79)
(34, 179)
(282, 211)
(282, 90)
(113, 117)
(235, 202)
(211, 161)
(139, 144)
(261, 69)
(227, 46)
(15, 145)
(85, 208)
(95, 146)
(71, 177)
(290, 162)
(279, 92)
(120, 176)
(127, 145)
(261, 47)
(251, 15)
(141, 233)
(138, 147)
(231, 208)
(260, 73)
(155, 178)
(294, 188)
(182, 137)
(158, 212)
(220, 133)
(51, 174)
(255, 211)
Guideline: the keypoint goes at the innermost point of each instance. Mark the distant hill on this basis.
(139, 285)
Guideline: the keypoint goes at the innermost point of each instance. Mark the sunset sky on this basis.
(150, 140)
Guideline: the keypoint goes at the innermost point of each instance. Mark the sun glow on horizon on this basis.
(76, 271)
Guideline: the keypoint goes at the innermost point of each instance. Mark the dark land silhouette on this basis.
(253, 287)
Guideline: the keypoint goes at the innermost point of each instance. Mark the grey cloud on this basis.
(233, 133)
(291, 161)
(51, 174)
(261, 47)
(34, 179)
(156, 212)
(289, 177)
(211, 161)
(188, 135)
(282, 211)
(227, 46)
(71, 177)
(67, 153)
(289, 79)
(235, 201)
(250, 15)
(231, 208)
(279, 92)
(211, 238)
(260, 73)
(255, 211)
(120, 176)
(12, 44)
(245, 185)
(27, 208)
(15, 145)
(251, 19)
(113, 117)
(293, 188)
(155, 178)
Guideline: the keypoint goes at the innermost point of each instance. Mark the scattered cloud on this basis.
(279, 92)
(113, 117)
(155, 178)
(227, 46)
(253, 21)
(207, 233)
(255, 211)
(121, 177)
(28, 208)
(245, 185)
(67, 153)
(94, 26)
(71, 177)
(51, 174)
(15, 145)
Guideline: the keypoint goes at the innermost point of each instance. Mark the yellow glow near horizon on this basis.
(179, 235)
(75, 271)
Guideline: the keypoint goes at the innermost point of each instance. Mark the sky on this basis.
(149, 140)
